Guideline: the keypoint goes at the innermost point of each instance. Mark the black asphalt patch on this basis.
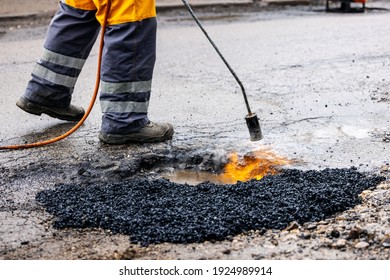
(155, 211)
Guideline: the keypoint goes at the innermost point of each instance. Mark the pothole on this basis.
(159, 210)
(253, 165)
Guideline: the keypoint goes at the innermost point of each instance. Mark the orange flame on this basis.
(254, 165)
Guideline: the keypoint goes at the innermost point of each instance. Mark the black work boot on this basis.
(70, 113)
(152, 132)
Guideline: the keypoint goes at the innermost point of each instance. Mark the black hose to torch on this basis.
(220, 54)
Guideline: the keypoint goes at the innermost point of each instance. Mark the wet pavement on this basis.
(318, 81)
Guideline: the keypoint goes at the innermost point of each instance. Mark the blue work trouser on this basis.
(127, 66)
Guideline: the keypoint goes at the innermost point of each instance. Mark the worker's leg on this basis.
(69, 40)
(129, 56)
(127, 71)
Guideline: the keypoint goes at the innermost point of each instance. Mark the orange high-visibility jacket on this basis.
(122, 11)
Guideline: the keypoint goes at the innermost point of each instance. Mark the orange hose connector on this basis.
(91, 104)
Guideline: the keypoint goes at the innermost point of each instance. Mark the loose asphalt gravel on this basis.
(161, 211)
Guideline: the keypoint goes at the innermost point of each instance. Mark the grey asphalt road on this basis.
(319, 83)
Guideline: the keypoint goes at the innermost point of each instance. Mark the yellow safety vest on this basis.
(122, 11)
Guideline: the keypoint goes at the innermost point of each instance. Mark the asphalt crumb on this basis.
(156, 211)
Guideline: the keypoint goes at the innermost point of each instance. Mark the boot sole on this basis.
(124, 139)
(38, 110)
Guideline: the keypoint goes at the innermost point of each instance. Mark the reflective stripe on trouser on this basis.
(127, 71)
(68, 43)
